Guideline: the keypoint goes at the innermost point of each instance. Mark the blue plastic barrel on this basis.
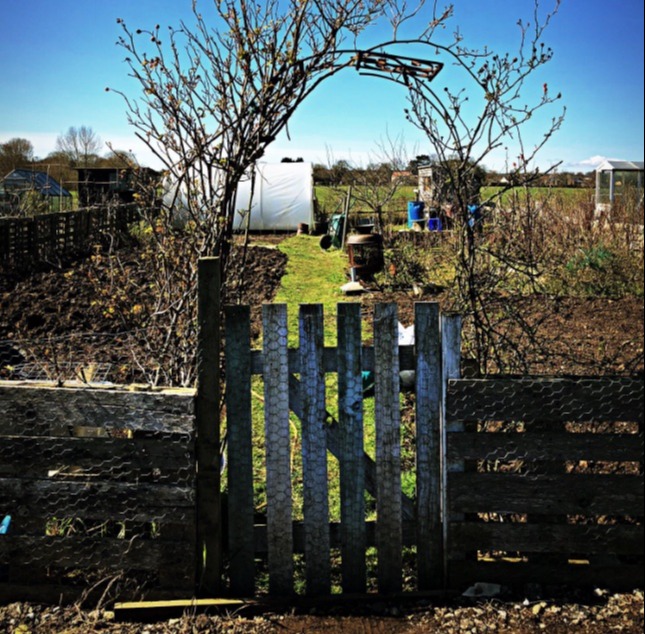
(415, 212)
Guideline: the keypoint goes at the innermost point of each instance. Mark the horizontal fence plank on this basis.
(33, 499)
(107, 553)
(544, 446)
(330, 359)
(622, 576)
(158, 460)
(541, 399)
(409, 536)
(38, 411)
(618, 539)
(545, 494)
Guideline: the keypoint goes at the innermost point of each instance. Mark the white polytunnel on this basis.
(283, 198)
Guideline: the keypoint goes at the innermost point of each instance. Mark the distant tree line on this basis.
(343, 173)
(77, 148)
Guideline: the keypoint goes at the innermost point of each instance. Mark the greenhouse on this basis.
(27, 192)
(616, 178)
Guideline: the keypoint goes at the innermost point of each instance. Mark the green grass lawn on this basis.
(313, 276)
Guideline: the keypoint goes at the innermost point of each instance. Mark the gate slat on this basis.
(450, 369)
(240, 452)
(428, 416)
(314, 451)
(389, 532)
(278, 453)
(351, 453)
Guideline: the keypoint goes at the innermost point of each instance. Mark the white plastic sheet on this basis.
(282, 198)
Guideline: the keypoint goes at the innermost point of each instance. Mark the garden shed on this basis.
(615, 178)
(25, 192)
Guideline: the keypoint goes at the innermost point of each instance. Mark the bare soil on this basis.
(579, 336)
(608, 613)
(587, 336)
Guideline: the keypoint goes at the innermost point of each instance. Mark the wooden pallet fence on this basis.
(554, 492)
(400, 520)
(98, 483)
(55, 236)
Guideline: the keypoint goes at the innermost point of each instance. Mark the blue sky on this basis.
(58, 57)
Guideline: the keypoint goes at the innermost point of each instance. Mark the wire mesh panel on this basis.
(545, 481)
(98, 486)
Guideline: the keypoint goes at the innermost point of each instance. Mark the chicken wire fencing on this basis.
(96, 491)
(544, 481)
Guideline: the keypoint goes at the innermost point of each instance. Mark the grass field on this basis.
(331, 200)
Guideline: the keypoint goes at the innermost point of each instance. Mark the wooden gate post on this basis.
(451, 369)
(208, 502)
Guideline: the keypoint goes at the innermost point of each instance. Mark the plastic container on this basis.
(434, 224)
(415, 212)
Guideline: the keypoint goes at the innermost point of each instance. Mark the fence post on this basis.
(239, 430)
(208, 502)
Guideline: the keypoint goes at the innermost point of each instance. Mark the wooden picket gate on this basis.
(400, 519)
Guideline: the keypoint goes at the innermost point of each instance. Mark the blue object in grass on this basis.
(4, 527)
(368, 382)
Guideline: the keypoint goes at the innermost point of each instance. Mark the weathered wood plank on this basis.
(548, 494)
(351, 456)
(314, 451)
(387, 420)
(46, 499)
(330, 359)
(617, 539)
(428, 444)
(451, 369)
(84, 553)
(623, 577)
(240, 450)
(335, 535)
(538, 399)
(208, 553)
(40, 411)
(278, 453)
(133, 459)
(545, 446)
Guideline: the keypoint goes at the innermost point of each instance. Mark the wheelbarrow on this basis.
(335, 232)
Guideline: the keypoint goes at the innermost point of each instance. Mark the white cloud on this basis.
(584, 165)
